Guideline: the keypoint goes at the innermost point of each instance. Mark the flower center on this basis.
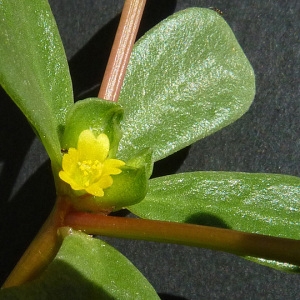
(90, 170)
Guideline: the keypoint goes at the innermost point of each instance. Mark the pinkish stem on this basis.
(121, 49)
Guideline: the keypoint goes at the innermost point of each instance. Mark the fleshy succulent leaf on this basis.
(187, 78)
(34, 70)
(258, 203)
(86, 268)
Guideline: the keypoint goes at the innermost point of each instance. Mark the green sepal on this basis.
(129, 187)
(187, 78)
(267, 204)
(97, 115)
(144, 158)
(86, 268)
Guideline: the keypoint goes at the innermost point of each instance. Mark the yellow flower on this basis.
(87, 167)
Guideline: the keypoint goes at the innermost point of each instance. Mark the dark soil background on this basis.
(265, 139)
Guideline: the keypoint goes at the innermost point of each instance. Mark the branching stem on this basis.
(121, 49)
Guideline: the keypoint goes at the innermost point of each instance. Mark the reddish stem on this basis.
(121, 49)
(42, 249)
(240, 243)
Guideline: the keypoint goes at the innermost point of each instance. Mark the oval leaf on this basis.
(257, 203)
(86, 268)
(187, 78)
(33, 68)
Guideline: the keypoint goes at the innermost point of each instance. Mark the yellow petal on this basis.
(112, 166)
(92, 148)
(65, 177)
(105, 181)
(70, 160)
(96, 189)
(87, 167)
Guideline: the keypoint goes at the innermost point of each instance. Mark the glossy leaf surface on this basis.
(86, 268)
(187, 78)
(258, 203)
(33, 68)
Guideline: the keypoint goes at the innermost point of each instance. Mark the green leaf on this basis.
(187, 78)
(33, 68)
(86, 268)
(258, 203)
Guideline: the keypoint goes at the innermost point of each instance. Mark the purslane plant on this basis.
(187, 78)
